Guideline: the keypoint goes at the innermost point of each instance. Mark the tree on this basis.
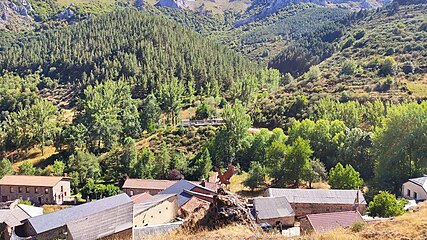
(313, 73)
(201, 165)
(161, 165)
(142, 167)
(150, 113)
(45, 121)
(236, 123)
(256, 176)
(385, 204)
(170, 96)
(399, 145)
(244, 88)
(316, 172)
(5, 167)
(26, 168)
(298, 161)
(344, 178)
(109, 113)
(276, 162)
(86, 165)
(387, 66)
(203, 111)
(57, 169)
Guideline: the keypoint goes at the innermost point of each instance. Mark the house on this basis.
(37, 189)
(159, 209)
(325, 222)
(11, 215)
(133, 186)
(415, 189)
(313, 201)
(186, 190)
(110, 217)
(274, 211)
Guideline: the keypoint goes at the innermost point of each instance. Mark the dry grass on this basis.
(53, 208)
(412, 225)
(35, 156)
(230, 232)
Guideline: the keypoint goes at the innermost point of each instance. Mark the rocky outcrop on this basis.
(139, 4)
(15, 15)
(180, 4)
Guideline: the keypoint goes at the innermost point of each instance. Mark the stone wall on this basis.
(305, 226)
(285, 221)
(302, 209)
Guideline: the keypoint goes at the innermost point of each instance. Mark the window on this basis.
(131, 192)
(36, 190)
(415, 195)
(62, 188)
(408, 193)
(20, 189)
(27, 190)
(46, 190)
(65, 193)
(11, 189)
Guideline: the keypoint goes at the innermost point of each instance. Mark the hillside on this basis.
(381, 55)
(136, 49)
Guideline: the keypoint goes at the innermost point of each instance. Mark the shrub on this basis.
(386, 204)
(357, 227)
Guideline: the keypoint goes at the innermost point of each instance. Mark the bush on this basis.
(386, 204)
(357, 227)
(349, 68)
(408, 68)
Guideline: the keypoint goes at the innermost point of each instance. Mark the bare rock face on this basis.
(15, 15)
(139, 4)
(226, 209)
(180, 4)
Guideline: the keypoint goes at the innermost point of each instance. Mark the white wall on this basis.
(421, 193)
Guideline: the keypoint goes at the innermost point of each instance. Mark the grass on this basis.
(35, 156)
(53, 208)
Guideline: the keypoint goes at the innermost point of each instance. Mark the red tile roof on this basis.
(325, 222)
(140, 197)
(36, 181)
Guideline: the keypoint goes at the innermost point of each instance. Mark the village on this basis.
(150, 207)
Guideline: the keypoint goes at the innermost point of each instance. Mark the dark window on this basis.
(11, 189)
(65, 193)
(36, 190)
(46, 190)
(27, 190)
(408, 193)
(20, 189)
(62, 188)
(415, 195)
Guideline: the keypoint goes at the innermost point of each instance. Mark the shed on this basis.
(186, 190)
(274, 211)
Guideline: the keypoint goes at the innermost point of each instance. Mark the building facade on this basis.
(159, 209)
(415, 189)
(37, 189)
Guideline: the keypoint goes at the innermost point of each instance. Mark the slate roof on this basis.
(272, 207)
(36, 181)
(422, 181)
(63, 217)
(180, 186)
(319, 196)
(147, 184)
(192, 204)
(13, 217)
(325, 222)
(151, 202)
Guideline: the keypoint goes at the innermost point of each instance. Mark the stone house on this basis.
(108, 218)
(159, 209)
(186, 190)
(12, 214)
(325, 222)
(274, 211)
(134, 186)
(313, 201)
(37, 189)
(415, 189)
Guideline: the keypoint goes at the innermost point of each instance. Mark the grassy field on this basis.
(35, 156)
